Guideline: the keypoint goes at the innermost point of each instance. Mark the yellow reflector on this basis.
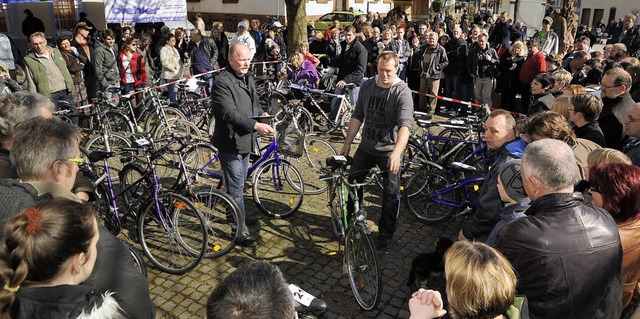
(216, 248)
(401, 188)
(315, 149)
(476, 187)
(291, 202)
(331, 253)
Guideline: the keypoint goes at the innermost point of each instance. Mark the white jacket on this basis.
(171, 64)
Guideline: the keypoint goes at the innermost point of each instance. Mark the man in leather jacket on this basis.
(567, 255)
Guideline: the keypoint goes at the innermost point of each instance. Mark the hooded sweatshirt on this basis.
(384, 112)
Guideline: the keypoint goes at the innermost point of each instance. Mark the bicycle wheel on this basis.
(152, 121)
(172, 233)
(203, 166)
(278, 188)
(443, 146)
(137, 261)
(316, 150)
(133, 183)
(222, 217)
(362, 266)
(336, 202)
(164, 134)
(272, 102)
(116, 141)
(431, 196)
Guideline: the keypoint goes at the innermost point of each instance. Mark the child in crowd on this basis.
(513, 195)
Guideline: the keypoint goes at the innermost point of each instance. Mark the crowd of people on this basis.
(554, 233)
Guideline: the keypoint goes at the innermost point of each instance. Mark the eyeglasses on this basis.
(77, 160)
(632, 120)
(608, 87)
(593, 189)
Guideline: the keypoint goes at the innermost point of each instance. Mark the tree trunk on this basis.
(296, 24)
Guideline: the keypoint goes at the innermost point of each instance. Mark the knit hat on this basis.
(512, 180)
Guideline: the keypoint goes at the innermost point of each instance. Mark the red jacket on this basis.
(532, 67)
(137, 69)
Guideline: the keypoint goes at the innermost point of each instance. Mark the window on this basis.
(327, 17)
(586, 16)
(65, 13)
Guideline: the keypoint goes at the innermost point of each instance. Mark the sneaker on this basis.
(382, 241)
(246, 241)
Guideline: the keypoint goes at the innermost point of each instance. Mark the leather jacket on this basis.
(568, 258)
(630, 238)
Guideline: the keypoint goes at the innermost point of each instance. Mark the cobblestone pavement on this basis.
(304, 247)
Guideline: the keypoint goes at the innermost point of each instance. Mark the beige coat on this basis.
(171, 65)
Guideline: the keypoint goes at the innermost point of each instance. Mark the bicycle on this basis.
(360, 256)
(321, 118)
(220, 211)
(303, 150)
(169, 227)
(277, 185)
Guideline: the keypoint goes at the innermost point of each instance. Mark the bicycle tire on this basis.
(203, 167)
(116, 141)
(316, 150)
(222, 219)
(420, 192)
(116, 121)
(137, 261)
(151, 121)
(273, 188)
(174, 127)
(272, 102)
(130, 174)
(336, 202)
(443, 146)
(413, 159)
(362, 266)
(178, 244)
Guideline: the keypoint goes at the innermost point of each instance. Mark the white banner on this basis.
(118, 11)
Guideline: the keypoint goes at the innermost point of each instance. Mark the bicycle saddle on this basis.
(202, 83)
(126, 97)
(338, 161)
(98, 155)
(113, 89)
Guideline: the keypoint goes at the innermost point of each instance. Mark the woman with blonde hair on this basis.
(481, 283)
(303, 71)
(510, 65)
(171, 65)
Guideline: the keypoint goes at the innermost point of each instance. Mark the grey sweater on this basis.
(384, 112)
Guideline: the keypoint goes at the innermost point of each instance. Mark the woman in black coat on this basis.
(507, 81)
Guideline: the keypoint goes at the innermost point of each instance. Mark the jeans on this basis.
(402, 71)
(209, 78)
(171, 90)
(108, 94)
(362, 162)
(234, 167)
(335, 102)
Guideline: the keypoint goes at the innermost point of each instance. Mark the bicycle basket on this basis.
(290, 140)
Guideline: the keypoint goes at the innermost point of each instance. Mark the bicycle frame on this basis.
(460, 184)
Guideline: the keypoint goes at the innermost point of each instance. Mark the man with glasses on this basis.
(616, 103)
(632, 129)
(583, 114)
(46, 158)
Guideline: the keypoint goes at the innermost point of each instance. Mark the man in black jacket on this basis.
(499, 133)
(583, 114)
(567, 255)
(456, 75)
(616, 103)
(353, 61)
(234, 103)
(204, 56)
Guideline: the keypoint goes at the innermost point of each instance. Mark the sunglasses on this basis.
(77, 160)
